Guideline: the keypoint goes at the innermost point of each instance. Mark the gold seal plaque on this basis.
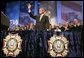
(12, 45)
(58, 46)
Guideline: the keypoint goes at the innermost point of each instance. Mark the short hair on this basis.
(42, 8)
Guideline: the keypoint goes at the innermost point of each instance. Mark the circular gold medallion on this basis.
(58, 46)
(12, 45)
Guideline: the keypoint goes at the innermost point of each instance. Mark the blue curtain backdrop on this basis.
(17, 10)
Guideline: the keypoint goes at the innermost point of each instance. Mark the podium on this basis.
(4, 21)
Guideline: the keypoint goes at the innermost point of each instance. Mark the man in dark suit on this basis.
(76, 25)
(42, 21)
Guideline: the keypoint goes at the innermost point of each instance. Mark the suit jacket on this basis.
(77, 28)
(42, 24)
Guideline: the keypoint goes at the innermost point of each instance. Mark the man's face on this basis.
(41, 11)
(75, 21)
(66, 24)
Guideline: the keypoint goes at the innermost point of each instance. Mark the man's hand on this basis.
(29, 6)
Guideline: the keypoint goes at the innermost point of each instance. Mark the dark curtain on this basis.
(35, 44)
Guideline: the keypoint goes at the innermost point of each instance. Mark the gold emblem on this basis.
(12, 45)
(58, 46)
